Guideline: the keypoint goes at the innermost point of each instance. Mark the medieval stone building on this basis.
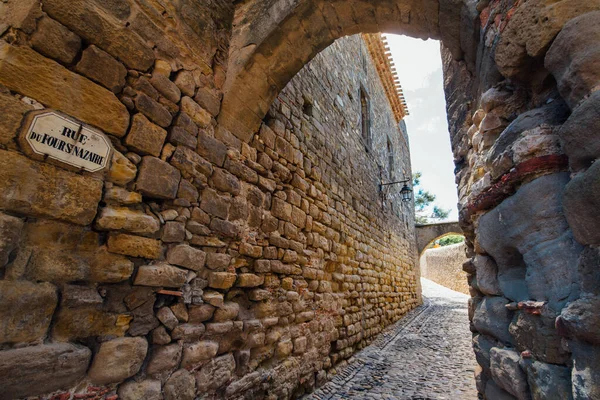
(191, 207)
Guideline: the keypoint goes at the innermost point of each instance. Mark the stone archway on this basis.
(109, 248)
(430, 232)
(265, 55)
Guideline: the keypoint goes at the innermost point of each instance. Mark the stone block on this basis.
(585, 375)
(145, 137)
(577, 134)
(173, 232)
(580, 320)
(209, 99)
(187, 257)
(147, 389)
(249, 250)
(211, 149)
(221, 280)
(284, 348)
(580, 200)
(228, 311)
(249, 280)
(157, 179)
(167, 317)
(126, 219)
(122, 171)
(20, 15)
(482, 345)
(182, 120)
(61, 265)
(120, 196)
(215, 204)
(117, 360)
(224, 228)
(164, 359)
(83, 322)
(539, 335)
(487, 275)
(195, 354)
(55, 41)
(188, 332)
(26, 310)
(10, 232)
(30, 74)
(246, 383)
(225, 182)
(179, 136)
(282, 210)
(493, 319)
(201, 312)
(187, 191)
(159, 275)
(508, 374)
(30, 187)
(185, 82)
(167, 88)
(32, 371)
(13, 112)
(532, 29)
(198, 114)
(548, 381)
(217, 261)
(190, 163)
(160, 336)
(300, 345)
(102, 30)
(247, 174)
(574, 57)
(134, 246)
(100, 67)
(152, 109)
(180, 386)
(215, 373)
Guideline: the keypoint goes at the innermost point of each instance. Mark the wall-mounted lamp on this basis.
(406, 191)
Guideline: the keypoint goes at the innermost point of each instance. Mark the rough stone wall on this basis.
(443, 265)
(372, 261)
(524, 154)
(196, 264)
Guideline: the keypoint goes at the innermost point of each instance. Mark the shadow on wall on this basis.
(443, 265)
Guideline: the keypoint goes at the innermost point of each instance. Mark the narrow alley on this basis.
(426, 355)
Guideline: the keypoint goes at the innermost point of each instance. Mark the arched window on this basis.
(391, 161)
(365, 114)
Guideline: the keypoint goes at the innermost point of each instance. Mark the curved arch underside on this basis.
(264, 56)
(430, 232)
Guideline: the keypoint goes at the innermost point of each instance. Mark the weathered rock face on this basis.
(529, 223)
(573, 57)
(522, 235)
(37, 366)
(580, 198)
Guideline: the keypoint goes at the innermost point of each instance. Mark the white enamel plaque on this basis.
(68, 141)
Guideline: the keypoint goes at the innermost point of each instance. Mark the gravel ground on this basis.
(425, 355)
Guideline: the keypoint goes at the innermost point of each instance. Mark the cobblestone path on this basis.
(426, 355)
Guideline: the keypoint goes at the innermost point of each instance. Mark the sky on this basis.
(419, 68)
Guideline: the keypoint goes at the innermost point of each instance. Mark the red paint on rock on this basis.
(508, 183)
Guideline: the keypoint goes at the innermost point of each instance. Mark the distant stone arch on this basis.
(426, 234)
(274, 39)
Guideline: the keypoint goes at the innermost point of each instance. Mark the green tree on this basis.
(451, 239)
(425, 210)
